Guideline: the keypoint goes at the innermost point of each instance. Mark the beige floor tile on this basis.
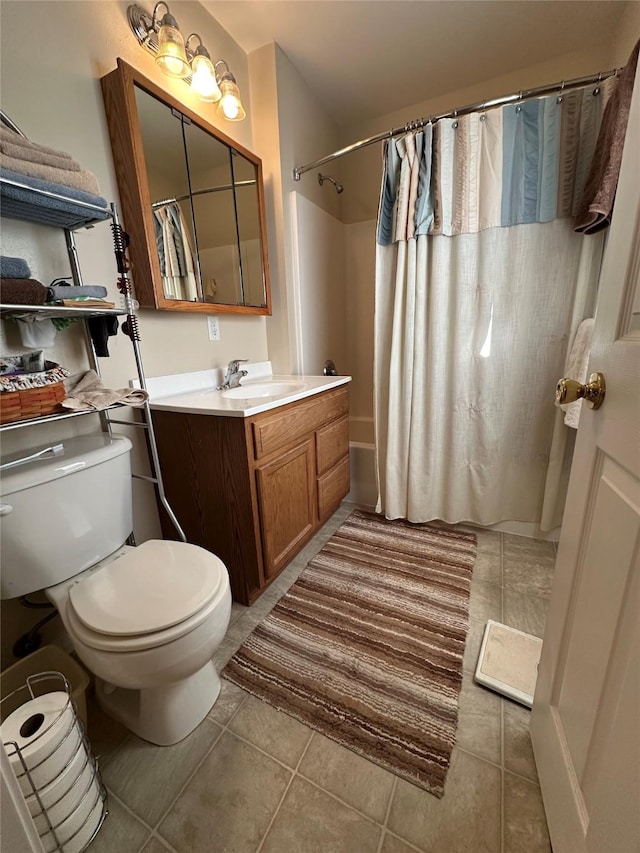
(527, 613)
(486, 601)
(230, 699)
(120, 832)
(362, 784)
(472, 647)
(465, 820)
(275, 732)
(237, 610)
(518, 752)
(310, 821)
(528, 565)
(488, 564)
(154, 845)
(391, 844)
(479, 721)
(148, 777)
(228, 804)
(105, 734)
(525, 825)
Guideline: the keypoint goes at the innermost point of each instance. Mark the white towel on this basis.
(577, 365)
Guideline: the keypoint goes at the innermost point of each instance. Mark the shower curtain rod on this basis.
(165, 201)
(470, 108)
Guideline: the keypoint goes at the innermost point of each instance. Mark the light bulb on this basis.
(203, 81)
(230, 105)
(171, 57)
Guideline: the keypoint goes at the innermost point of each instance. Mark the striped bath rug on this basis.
(366, 646)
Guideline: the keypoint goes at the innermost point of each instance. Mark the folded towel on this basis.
(82, 180)
(22, 291)
(14, 267)
(65, 291)
(33, 154)
(596, 206)
(26, 201)
(577, 366)
(85, 391)
(11, 136)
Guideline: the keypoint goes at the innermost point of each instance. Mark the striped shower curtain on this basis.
(481, 283)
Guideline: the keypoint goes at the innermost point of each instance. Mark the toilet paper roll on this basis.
(63, 795)
(74, 833)
(47, 734)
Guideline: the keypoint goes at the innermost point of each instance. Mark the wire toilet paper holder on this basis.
(24, 693)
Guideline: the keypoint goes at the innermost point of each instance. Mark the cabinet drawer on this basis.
(272, 432)
(332, 487)
(332, 443)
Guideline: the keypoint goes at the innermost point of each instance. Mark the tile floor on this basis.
(250, 779)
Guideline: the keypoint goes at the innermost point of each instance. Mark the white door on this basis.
(585, 724)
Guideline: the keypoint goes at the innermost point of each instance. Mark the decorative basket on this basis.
(42, 395)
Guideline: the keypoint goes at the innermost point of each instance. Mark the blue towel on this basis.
(14, 267)
(29, 203)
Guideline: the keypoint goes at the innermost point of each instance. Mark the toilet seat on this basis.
(151, 595)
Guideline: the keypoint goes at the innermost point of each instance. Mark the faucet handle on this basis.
(235, 363)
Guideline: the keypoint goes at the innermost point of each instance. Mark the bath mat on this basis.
(508, 662)
(366, 646)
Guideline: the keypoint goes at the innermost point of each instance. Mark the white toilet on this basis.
(147, 620)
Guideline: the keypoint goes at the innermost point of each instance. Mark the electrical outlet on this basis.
(214, 328)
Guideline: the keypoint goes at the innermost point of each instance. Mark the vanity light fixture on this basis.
(162, 36)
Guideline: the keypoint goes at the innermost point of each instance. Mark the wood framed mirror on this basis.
(192, 202)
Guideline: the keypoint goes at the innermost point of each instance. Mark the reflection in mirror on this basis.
(204, 218)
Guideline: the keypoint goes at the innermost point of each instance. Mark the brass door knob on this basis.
(568, 391)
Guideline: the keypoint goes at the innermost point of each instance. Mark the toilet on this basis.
(145, 620)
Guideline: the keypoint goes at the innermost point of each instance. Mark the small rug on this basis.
(366, 646)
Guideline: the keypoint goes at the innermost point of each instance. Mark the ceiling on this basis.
(360, 56)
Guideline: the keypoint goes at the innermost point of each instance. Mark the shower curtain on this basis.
(481, 283)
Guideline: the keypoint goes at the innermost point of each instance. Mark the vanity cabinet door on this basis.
(287, 504)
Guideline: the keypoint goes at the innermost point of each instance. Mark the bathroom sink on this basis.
(265, 390)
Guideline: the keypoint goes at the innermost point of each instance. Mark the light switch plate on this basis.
(214, 328)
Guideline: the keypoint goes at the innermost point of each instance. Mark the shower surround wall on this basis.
(333, 269)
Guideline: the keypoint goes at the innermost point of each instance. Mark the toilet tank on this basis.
(63, 512)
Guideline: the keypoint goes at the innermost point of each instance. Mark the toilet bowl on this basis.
(146, 620)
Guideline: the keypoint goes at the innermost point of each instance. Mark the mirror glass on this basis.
(206, 210)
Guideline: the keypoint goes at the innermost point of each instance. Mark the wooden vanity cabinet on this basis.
(254, 490)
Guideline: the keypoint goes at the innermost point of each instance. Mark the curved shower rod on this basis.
(470, 108)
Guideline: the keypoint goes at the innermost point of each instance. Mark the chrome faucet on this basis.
(233, 375)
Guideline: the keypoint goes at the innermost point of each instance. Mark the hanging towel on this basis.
(577, 365)
(14, 267)
(596, 205)
(100, 329)
(85, 391)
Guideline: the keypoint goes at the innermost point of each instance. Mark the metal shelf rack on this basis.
(46, 207)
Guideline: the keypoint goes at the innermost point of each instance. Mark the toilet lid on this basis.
(152, 587)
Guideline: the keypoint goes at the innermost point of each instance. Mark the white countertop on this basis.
(197, 393)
